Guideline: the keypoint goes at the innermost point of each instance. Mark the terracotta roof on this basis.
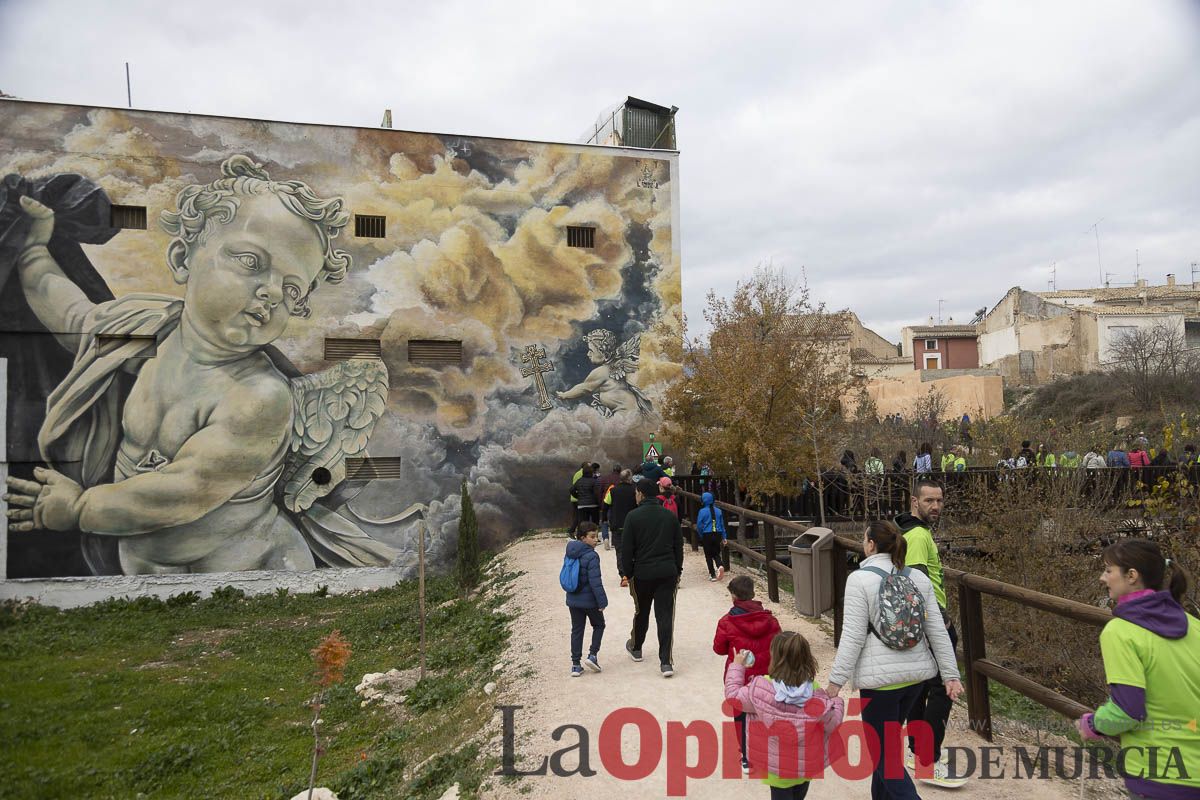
(1128, 311)
(861, 355)
(943, 331)
(1182, 291)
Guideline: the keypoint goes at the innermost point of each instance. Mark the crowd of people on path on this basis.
(897, 647)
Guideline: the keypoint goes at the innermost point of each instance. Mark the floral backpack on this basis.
(901, 610)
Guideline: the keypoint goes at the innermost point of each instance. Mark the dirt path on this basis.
(536, 676)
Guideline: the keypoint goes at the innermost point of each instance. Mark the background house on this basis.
(1034, 337)
(941, 346)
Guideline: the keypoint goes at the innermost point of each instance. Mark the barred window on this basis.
(369, 226)
(127, 217)
(580, 236)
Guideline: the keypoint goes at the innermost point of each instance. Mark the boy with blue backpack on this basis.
(580, 579)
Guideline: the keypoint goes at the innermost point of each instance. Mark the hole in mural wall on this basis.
(321, 476)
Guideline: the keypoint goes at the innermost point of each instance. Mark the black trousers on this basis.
(579, 616)
(574, 517)
(712, 551)
(884, 706)
(659, 593)
(615, 534)
(933, 705)
(589, 514)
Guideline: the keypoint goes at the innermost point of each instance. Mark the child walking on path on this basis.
(747, 626)
(787, 696)
(1151, 652)
(710, 524)
(588, 601)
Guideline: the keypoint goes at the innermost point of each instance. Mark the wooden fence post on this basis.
(839, 588)
(979, 708)
(769, 552)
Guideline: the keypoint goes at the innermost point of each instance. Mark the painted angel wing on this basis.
(334, 413)
(625, 362)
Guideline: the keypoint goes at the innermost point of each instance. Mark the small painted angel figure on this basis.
(609, 382)
(211, 457)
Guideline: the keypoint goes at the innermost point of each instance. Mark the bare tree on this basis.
(1154, 364)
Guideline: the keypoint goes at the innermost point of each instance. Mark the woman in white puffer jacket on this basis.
(889, 681)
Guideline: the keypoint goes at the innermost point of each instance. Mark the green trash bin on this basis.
(812, 571)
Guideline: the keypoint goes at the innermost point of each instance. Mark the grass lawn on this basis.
(209, 698)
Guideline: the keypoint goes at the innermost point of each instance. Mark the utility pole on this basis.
(1096, 228)
(128, 86)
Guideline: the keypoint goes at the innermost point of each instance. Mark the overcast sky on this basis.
(897, 153)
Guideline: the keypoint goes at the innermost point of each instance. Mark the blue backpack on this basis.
(568, 576)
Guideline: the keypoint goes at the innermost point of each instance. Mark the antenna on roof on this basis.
(128, 86)
(1054, 277)
(941, 303)
(1096, 227)
(387, 118)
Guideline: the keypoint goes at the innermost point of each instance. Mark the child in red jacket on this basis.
(747, 626)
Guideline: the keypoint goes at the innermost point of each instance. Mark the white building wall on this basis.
(1109, 327)
(998, 344)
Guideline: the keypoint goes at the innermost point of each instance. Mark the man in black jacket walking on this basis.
(620, 501)
(652, 555)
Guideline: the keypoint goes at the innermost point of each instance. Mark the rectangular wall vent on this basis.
(342, 349)
(579, 236)
(127, 217)
(370, 468)
(107, 344)
(435, 351)
(369, 226)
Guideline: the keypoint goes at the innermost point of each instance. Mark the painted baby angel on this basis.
(215, 459)
(608, 382)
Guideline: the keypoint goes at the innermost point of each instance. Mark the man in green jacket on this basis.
(933, 705)
(652, 556)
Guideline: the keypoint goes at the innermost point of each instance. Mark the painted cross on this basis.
(533, 356)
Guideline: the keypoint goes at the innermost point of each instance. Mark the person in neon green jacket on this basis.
(1151, 652)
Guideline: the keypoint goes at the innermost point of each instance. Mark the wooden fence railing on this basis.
(860, 496)
(977, 668)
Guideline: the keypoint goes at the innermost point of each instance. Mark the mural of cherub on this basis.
(214, 459)
(609, 382)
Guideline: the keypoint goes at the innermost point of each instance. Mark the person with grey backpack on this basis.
(889, 647)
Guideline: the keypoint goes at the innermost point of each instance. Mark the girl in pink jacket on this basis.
(787, 694)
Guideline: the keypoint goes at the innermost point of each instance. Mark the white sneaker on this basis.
(720, 573)
(941, 777)
(607, 544)
(712, 577)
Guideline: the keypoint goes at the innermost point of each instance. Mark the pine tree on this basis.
(468, 544)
